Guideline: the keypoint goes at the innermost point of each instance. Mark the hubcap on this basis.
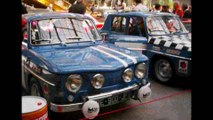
(165, 69)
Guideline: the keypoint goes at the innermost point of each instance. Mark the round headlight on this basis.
(73, 83)
(97, 81)
(127, 75)
(140, 70)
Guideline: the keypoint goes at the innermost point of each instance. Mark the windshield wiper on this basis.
(62, 43)
(156, 30)
(76, 37)
(39, 40)
(177, 32)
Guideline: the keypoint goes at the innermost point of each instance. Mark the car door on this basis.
(131, 37)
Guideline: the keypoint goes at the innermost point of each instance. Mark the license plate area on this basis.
(113, 99)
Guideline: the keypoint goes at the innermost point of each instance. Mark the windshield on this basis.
(63, 30)
(161, 25)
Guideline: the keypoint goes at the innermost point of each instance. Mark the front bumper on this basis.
(78, 106)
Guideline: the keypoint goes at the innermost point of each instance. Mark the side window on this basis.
(136, 26)
(34, 32)
(118, 25)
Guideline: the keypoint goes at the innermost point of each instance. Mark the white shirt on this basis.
(141, 7)
(157, 11)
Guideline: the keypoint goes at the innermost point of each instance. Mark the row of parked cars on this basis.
(66, 60)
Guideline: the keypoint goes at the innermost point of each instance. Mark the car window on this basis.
(136, 26)
(161, 25)
(66, 30)
(118, 25)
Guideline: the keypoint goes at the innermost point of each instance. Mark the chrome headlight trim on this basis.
(140, 70)
(97, 81)
(74, 83)
(127, 75)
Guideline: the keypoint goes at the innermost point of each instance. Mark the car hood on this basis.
(179, 42)
(88, 59)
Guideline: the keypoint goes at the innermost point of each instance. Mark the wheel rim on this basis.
(35, 90)
(164, 70)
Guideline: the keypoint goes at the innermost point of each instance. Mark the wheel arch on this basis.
(154, 58)
(29, 79)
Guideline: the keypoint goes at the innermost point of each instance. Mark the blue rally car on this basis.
(160, 36)
(65, 61)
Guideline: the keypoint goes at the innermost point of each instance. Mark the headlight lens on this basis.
(97, 81)
(74, 82)
(140, 70)
(127, 75)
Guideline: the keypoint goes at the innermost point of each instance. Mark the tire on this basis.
(163, 70)
(35, 88)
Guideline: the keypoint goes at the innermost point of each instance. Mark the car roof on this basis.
(45, 15)
(143, 14)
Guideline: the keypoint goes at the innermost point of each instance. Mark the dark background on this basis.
(10, 49)
(11, 59)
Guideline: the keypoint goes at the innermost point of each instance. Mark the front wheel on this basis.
(163, 70)
(35, 88)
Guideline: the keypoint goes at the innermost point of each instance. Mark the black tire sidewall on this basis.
(35, 81)
(156, 71)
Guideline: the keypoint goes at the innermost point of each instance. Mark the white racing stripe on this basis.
(120, 60)
(179, 47)
(157, 41)
(167, 44)
(130, 57)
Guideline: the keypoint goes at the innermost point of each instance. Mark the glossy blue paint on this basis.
(84, 58)
(126, 38)
(181, 38)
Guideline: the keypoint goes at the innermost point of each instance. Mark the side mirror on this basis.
(105, 36)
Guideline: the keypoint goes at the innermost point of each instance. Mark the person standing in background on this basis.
(93, 8)
(177, 10)
(116, 7)
(152, 9)
(158, 8)
(78, 7)
(140, 7)
(123, 5)
(186, 12)
(166, 8)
